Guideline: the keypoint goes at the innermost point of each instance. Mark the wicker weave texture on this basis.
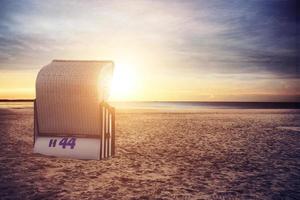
(68, 94)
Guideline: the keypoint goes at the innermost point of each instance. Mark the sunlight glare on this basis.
(124, 82)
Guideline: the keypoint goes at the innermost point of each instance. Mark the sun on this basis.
(123, 82)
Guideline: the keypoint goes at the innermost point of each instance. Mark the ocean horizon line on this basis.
(166, 101)
(184, 104)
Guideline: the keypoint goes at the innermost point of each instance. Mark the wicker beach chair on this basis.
(71, 116)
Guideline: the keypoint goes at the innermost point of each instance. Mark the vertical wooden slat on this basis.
(110, 118)
(109, 133)
(113, 132)
(105, 121)
(107, 138)
(107, 130)
(101, 132)
(106, 133)
(103, 125)
(34, 122)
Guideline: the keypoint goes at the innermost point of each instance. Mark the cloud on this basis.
(250, 37)
(197, 36)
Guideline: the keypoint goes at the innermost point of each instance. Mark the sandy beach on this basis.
(204, 154)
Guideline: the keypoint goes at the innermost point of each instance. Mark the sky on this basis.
(198, 50)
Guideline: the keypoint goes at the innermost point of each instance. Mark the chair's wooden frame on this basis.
(106, 135)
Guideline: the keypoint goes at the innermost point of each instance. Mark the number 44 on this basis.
(67, 142)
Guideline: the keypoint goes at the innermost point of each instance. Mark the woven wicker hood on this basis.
(68, 94)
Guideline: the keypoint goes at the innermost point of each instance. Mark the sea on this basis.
(175, 105)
